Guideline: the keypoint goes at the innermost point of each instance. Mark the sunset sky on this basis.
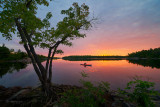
(122, 27)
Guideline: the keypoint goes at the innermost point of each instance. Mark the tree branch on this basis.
(32, 50)
(50, 66)
(49, 55)
(55, 49)
(28, 3)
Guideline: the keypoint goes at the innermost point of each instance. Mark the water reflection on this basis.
(116, 72)
(9, 67)
(154, 63)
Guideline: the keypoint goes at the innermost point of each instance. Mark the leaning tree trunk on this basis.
(39, 68)
(44, 73)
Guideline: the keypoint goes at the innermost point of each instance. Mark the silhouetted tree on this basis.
(4, 52)
(19, 16)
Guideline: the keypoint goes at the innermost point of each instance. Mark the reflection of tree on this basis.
(9, 67)
(146, 63)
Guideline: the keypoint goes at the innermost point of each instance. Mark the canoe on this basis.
(86, 64)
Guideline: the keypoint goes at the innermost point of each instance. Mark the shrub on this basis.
(139, 91)
(88, 96)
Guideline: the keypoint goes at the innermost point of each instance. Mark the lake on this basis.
(116, 72)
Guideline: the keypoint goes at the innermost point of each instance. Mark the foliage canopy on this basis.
(42, 34)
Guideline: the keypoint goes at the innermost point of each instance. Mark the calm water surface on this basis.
(116, 72)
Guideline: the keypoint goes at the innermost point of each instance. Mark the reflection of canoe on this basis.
(86, 64)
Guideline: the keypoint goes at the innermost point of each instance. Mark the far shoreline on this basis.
(28, 60)
(88, 57)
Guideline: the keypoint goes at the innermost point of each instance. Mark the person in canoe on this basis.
(85, 64)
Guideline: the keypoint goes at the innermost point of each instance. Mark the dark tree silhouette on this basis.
(19, 16)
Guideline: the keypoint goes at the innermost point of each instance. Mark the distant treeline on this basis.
(151, 53)
(89, 58)
(7, 54)
(148, 54)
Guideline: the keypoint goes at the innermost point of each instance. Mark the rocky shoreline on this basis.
(24, 60)
(14, 96)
